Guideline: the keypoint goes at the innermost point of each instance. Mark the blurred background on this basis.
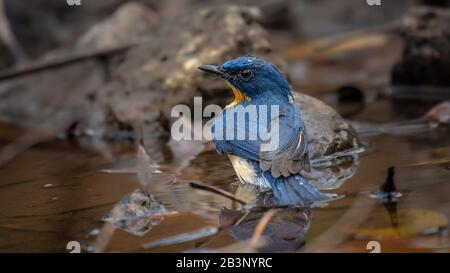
(83, 87)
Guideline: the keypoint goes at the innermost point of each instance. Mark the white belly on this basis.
(246, 172)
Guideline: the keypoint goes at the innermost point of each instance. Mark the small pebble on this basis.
(54, 199)
(48, 186)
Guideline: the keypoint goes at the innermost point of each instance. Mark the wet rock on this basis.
(136, 213)
(422, 76)
(153, 78)
(127, 25)
(332, 143)
(210, 36)
(327, 132)
(426, 57)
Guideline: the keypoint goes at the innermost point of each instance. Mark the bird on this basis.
(257, 159)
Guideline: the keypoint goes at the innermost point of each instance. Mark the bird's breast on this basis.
(248, 171)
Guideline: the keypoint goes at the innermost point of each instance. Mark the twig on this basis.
(195, 235)
(104, 237)
(201, 186)
(38, 67)
(261, 226)
(183, 237)
(325, 43)
(425, 163)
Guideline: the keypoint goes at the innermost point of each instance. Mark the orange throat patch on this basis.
(238, 96)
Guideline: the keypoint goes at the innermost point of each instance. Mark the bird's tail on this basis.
(295, 190)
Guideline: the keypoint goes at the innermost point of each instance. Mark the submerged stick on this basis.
(201, 186)
(183, 237)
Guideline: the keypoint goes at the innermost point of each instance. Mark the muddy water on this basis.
(58, 192)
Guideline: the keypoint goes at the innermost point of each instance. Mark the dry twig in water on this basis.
(201, 186)
(261, 227)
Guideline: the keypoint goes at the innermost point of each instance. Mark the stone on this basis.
(327, 132)
(426, 57)
(136, 213)
(125, 26)
(332, 143)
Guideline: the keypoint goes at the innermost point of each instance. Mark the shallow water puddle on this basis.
(59, 192)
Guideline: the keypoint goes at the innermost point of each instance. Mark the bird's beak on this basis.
(212, 69)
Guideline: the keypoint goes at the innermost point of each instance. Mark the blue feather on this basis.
(294, 190)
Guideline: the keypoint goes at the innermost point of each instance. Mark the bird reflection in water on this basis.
(284, 231)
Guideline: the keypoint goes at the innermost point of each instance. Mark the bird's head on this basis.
(250, 78)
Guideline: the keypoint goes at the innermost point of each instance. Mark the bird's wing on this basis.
(285, 151)
(285, 156)
(248, 149)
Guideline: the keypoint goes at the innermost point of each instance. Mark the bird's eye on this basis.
(246, 74)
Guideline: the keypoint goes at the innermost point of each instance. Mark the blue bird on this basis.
(272, 148)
